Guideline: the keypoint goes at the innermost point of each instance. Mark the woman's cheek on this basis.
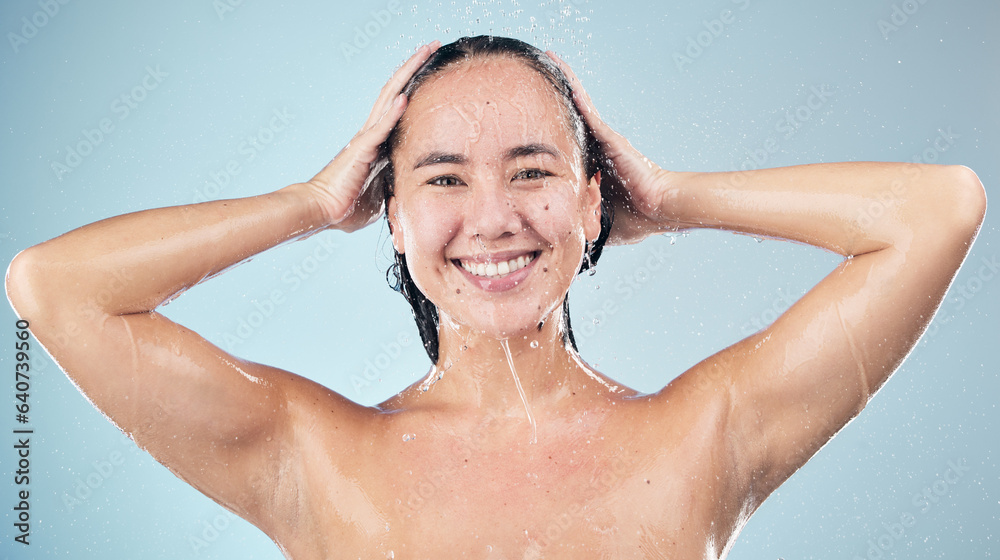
(554, 215)
(429, 227)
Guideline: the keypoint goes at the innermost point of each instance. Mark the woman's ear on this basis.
(394, 229)
(592, 216)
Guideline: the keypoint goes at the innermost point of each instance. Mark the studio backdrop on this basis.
(113, 107)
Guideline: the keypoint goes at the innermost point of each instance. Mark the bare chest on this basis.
(588, 495)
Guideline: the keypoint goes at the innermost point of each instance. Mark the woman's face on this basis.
(492, 207)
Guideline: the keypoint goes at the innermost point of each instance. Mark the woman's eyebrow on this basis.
(523, 150)
(531, 150)
(439, 157)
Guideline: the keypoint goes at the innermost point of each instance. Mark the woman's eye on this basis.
(445, 181)
(531, 174)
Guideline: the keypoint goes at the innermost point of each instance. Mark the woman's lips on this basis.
(494, 269)
(490, 274)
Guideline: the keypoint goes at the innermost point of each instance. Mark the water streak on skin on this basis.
(590, 373)
(858, 358)
(251, 378)
(520, 391)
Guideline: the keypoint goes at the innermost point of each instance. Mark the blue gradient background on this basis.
(227, 74)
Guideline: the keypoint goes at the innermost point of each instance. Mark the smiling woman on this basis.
(497, 176)
(524, 70)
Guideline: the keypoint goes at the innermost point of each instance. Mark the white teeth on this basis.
(496, 270)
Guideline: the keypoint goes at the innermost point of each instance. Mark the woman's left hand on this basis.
(640, 188)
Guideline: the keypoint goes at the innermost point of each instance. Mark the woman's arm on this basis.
(216, 421)
(905, 230)
(133, 263)
(850, 208)
(224, 425)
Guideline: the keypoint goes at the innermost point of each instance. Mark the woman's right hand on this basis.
(639, 190)
(339, 188)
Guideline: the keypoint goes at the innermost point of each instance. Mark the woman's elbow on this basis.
(22, 283)
(969, 206)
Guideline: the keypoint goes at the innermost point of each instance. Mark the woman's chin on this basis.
(499, 326)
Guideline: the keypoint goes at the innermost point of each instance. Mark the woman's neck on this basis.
(513, 376)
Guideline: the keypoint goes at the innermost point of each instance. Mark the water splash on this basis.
(520, 391)
(433, 377)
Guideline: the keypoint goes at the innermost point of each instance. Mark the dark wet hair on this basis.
(382, 174)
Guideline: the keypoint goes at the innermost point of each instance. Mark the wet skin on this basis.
(457, 470)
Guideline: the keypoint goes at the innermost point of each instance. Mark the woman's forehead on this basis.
(485, 105)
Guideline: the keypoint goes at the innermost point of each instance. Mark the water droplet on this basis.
(534, 344)
(591, 271)
(408, 437)
(758, 239)
(597, 321)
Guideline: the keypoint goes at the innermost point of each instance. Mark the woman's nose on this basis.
(493, 212)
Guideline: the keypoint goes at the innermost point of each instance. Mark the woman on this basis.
(499, 177)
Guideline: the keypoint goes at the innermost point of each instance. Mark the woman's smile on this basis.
(499, 271)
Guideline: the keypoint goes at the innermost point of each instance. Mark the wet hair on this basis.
(382, 174)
